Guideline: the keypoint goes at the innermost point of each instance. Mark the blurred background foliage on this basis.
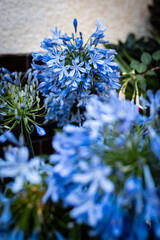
(139, 59)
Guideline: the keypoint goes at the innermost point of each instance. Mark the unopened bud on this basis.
(31, 88)
(26, 120)
(121, 95)
(34, 117)
(22, 106)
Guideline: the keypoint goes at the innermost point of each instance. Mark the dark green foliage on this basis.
(132, 48)
(139, 61)
(155, 14)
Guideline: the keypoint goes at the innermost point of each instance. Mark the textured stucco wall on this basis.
(24, 23)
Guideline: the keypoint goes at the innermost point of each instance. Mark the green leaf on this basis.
(146, 58)
(141, 68)
(142, 85)
(151, 73)
(134, 64)
(156, 55)
(140, 78)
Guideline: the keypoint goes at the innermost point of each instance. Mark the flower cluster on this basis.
(19, 101)
(20, 173)
(70, 71)
(114, 114)
(102, 171)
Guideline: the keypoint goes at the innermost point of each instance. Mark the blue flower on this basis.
(153, 104)
(56, 36)
(95, 59)
(61, 69)
(122, 114)
(65, 37)
(99, 33)
(15, 233)
(155, 141)
(8, 135)
(95, 175)
(54, 58)
(3, 138)
(82, 175)
(77, 67)
(73, 82)
(17, 166)
(5, 216)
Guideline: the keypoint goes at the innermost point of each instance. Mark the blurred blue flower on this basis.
(3, 138)
(17, 166)
(8, 135)
(122, 115)
(5, 215)
(154, 141)
(153, 104)
(116, 202)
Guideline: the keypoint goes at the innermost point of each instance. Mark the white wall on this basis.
(24, 23)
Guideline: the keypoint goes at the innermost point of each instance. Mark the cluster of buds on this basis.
(20, 105)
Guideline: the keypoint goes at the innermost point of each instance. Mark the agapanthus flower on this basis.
(19, 101)
(154, 141)
(153, 104)
(17, 166)
(8, 135)
(81, 178)
(5, 216)
(100, 172)
(81, 69)
(119, 114)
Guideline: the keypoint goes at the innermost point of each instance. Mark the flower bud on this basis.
(75, 22)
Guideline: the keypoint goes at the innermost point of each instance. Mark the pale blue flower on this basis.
(77, 67)
(61, 69)
(95, 59)
(153, 104)
(154, 141)
(73, 82)
(99, 33)
(122, 114)
(5, 216)
(17, 166)
(55, 57)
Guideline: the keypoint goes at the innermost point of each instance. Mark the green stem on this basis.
(127, 55)
(123, 65)
(28, 138)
